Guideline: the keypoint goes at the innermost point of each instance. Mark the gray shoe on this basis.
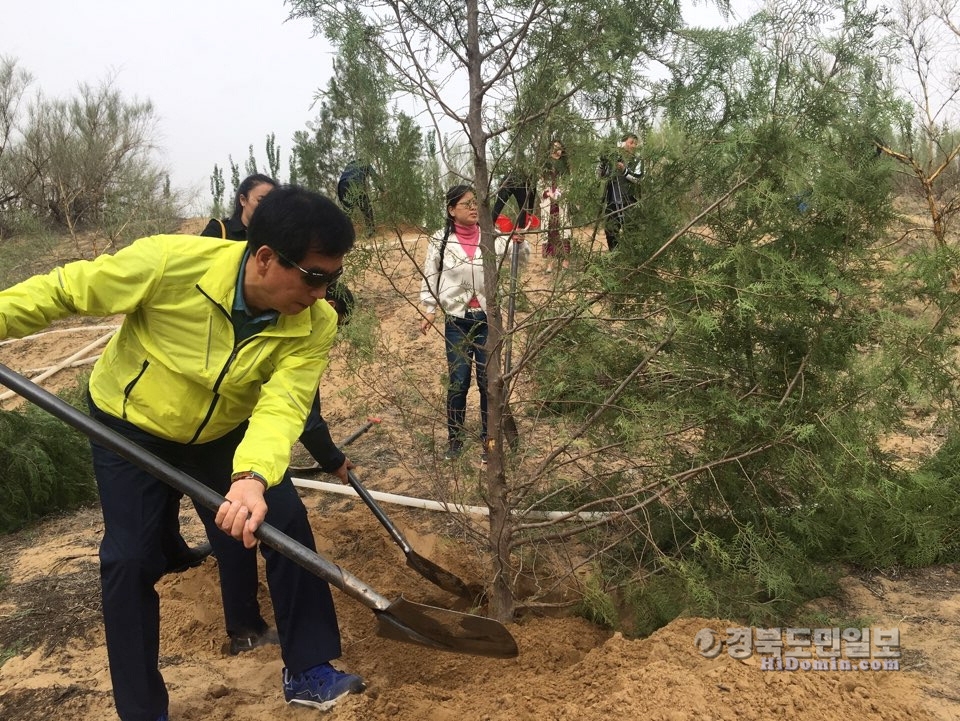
(453, 451)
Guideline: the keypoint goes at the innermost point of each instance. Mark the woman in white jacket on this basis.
(453, 278)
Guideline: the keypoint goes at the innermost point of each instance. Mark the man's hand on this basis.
(341, 472)
(244, 510)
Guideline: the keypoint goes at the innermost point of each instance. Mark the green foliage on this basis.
(27, 252)
(597, 605)
(217, 186)
(48, 467)
(773, 342)
(730, 370)
(273, 156)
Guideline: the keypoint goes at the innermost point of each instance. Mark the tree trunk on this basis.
(501, 521)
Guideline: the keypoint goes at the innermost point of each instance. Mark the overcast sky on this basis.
(221, 74)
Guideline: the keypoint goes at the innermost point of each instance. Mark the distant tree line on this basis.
(78, 163)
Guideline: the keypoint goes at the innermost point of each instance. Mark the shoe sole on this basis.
(323, 705)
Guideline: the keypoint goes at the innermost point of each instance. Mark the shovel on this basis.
(424, 566)
(510, 430)
(399, 620)
(371, 422)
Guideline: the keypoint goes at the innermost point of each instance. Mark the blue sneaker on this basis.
(320, 686)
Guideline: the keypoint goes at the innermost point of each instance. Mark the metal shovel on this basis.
(400, 620)
(371, 422)
(424, 566)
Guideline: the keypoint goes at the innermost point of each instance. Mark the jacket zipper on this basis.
(128, 389)
(223, 371)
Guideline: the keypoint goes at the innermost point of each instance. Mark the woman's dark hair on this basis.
(453, 197)
(293, 221)
(248, 184)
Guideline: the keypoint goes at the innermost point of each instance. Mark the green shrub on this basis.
(48, 466)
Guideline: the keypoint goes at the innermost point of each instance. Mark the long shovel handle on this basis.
(378, 512)
(511, 306)
(205, 496)
(371, 422)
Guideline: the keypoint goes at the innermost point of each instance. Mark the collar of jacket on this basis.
(219, 284)
(236, 230)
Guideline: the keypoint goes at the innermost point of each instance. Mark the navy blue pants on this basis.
(132, 560)
(465, 339)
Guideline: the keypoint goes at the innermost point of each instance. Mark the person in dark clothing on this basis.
(316, 434)
(247, 198)
(353, 192)
(252, 631)
(623, 171)
(523, 189)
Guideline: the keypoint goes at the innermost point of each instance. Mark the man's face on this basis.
(630, 145)
(284, 288)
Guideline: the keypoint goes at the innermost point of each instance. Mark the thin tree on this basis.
(462, 62)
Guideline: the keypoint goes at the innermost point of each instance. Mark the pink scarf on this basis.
(469, 237)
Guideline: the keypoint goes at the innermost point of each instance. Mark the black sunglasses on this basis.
(314, 278)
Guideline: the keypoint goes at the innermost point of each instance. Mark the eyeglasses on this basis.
(469, 204)
(313, 277)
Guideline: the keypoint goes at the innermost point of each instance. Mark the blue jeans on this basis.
(465, 340)
(132, 560)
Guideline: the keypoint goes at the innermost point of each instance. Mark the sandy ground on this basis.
(566, 669)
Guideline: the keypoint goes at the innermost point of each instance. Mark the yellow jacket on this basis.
(173, 369)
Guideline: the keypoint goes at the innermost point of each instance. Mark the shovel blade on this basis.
(446, 630)
(439, 576)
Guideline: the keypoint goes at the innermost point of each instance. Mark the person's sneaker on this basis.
(249, 641)
(453, 451)
(483, 457)
(320, 686)
(191, 558)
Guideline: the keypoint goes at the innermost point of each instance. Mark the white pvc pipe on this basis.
(75, 329)
(448, 507)
(75, 364)
(64, 363)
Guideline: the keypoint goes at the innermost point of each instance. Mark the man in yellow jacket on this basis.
(213, 369)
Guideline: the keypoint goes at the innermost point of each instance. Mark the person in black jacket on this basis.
(352, 191)
(254, 631)
(246, 200)
(623, 171)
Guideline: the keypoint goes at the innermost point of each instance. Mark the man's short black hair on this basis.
(294, 221)
(625, 137)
